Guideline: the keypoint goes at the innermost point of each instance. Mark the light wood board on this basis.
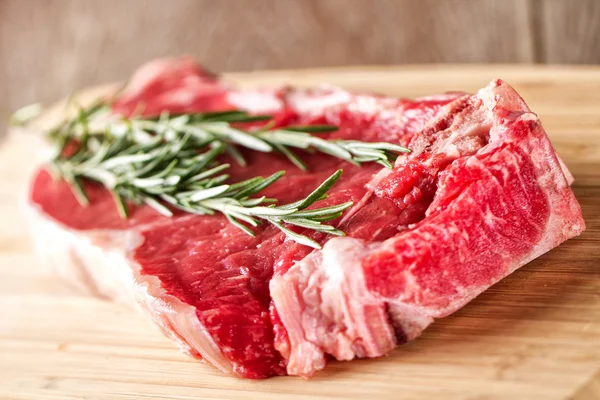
(535, 335)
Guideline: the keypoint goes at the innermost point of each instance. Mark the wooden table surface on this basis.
(535, 335)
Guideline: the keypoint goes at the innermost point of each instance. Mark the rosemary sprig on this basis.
(25, 114)
(169, 162)
(210, 127)
(172, 174)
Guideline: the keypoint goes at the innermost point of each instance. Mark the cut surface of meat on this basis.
(481, 193)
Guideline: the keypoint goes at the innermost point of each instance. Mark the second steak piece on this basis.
(481, 194)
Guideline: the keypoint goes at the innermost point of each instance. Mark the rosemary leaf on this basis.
(236, 155)
(321, 190)
(305, 240)
(262, 184)
(78, 190)
(158, 206)
(120, 202)
(239, 225)
(237, 136)
(311, 128)
(208, 193)
(25, 114)
(297, 161)
(321, 212)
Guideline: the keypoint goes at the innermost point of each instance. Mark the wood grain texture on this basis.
(50, 47)
(535, 335)
(590, 390)
(570, 31)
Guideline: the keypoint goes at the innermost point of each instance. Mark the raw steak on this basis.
(482, 193)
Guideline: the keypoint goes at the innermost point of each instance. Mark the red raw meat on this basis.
(482, 193)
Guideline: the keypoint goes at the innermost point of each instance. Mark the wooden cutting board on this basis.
(535, 335)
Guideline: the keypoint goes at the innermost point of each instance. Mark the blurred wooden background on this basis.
(50, 47)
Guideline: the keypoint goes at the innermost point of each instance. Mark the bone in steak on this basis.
(482, 193)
